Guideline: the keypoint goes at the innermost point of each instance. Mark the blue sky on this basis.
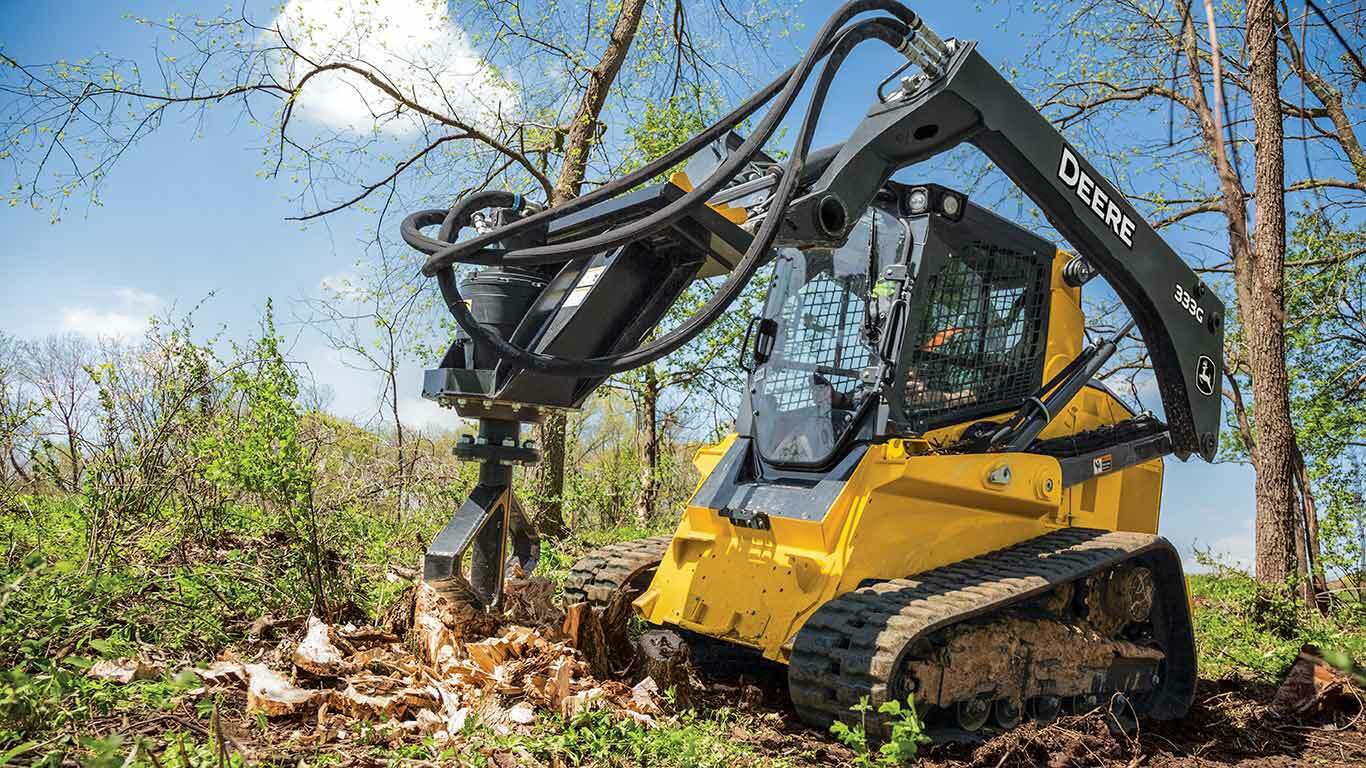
(185, 217)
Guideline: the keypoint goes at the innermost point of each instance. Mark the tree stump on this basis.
(664, 657)
(616, 631)
(583, 629)
(398, 616)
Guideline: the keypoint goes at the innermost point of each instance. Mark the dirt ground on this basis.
(1228, 726)
(343, 677)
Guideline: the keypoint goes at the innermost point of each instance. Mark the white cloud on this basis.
(126, 319)
(1237, 548)
(414, 44)
(343, 285)
(135, 299)
(357, 394)
(96, 324)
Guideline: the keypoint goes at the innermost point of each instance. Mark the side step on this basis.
(855, 645)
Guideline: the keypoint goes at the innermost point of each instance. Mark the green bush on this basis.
(1246, 631)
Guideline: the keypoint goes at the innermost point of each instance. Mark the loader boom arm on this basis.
(1181, 320)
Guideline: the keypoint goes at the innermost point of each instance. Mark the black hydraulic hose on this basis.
(456, 219)
(457, 216)
(879, 29)
(474, 251)
(453, 219)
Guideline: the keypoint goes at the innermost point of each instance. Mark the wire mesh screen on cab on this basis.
(823, 333)
(979, 346)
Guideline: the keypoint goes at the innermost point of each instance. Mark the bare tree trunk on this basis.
(1240, 413)
(18, 468)
(549, 477)
(74, 454)
(647, 422)
(579, 141)
(1264, 315)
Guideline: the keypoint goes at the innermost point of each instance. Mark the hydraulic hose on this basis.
(453, 219)
(893, 32)
(699, 195)
(726, 294)
(475, 251)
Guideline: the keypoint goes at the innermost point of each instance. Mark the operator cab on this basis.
(933, 312)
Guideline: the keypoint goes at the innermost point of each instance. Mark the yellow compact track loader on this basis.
(927, 491)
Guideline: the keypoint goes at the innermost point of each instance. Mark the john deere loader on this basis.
(927, 490)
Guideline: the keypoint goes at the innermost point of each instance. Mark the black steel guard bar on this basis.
(1181, 320)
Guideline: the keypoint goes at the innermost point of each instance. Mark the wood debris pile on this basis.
(448, 666)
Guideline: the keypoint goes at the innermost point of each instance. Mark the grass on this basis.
(1241, 633)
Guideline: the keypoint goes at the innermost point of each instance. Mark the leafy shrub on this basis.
(1244, 630)
(908, 734)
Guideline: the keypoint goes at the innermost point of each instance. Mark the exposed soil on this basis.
(430, 684)
(1229, 725)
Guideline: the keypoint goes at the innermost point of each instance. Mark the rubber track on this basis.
(851, 646)
(598, 574)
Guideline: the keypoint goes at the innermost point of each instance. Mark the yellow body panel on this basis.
(905, 509)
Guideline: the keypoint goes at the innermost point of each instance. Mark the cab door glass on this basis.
(807, 395)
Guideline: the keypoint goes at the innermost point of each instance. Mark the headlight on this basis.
(918, 201)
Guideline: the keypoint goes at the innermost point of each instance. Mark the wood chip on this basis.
(123, 671)
(429, 722)
(581, 702)
(368, 637)
(316, 654)
(272, 695)
(222, 673)
(453, 662)
(558, 686)
(488, 654)
(531, 600)
(645, 697)
(522, 714)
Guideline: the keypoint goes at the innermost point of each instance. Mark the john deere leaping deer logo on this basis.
(1204, 375)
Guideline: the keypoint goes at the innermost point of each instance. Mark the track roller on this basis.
(974, 713)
